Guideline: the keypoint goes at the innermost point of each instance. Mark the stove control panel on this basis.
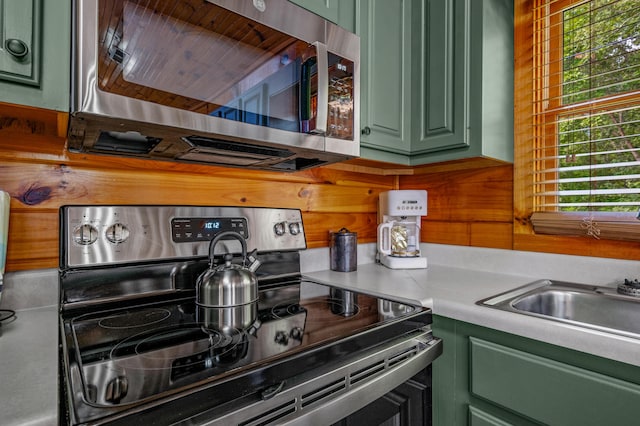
(106, 235)
(190, 229)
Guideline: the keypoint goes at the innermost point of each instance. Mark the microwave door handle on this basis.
(323, 88)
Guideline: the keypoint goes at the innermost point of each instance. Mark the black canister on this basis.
(343, 251)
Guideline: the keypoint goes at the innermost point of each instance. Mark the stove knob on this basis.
(280, 228)
(116, 390)
(294, 228)
(117, 233)
(85, 234)
(281, 338)
(296, 333)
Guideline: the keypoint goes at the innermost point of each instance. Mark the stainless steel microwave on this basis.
(247, 83)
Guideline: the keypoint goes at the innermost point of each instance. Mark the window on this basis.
(586, 73)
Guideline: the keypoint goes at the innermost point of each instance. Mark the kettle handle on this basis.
(222, 235)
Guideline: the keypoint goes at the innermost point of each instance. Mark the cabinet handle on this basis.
(366, 130)
(17, 48)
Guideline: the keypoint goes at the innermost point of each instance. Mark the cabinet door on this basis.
(20, 41)
(478, 417)
(49, 84)
(487, 377)
(441, 116)
(407, 405)
(548, 391)
(328, 9)
(341, 12)
(385, 37)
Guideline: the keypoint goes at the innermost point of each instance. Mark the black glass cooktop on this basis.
(135, 353)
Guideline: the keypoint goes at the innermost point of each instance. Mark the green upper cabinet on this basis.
(35, 53)
(385, 77)
(341, 12)
(437, 80)
(20, 50)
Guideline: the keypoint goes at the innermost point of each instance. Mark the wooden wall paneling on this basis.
(467, 195)
(445, 232)
(468, 205)
(578, 246)
(475, 234)
(491, 234)
(318, 226)
(41, 176)
(29, 120)
(52, 185)
(33, 239)
(40, 189)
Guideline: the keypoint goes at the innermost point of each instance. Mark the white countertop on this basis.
(453, 292)
(29, 368)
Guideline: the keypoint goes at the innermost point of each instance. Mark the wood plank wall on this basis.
(470, 203)
(40, 175)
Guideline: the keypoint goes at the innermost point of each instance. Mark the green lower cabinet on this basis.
(35, 65)
(477, 417)
(487, 377)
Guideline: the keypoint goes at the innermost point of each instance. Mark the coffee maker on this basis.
(399, 220)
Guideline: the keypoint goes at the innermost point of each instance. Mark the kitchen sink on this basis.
(596, 307)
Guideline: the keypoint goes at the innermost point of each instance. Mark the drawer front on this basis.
(548, 391)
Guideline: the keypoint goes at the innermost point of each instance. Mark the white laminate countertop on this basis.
(29, 368)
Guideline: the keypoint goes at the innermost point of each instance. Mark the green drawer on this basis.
(549, 391)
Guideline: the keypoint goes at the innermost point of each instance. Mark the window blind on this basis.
(586, 117)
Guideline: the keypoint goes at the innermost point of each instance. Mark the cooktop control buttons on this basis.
(117, 233)
(280, 228)
(85, 234)
(294, 228)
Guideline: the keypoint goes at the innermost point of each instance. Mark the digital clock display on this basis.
(214, 224)
(194, 229)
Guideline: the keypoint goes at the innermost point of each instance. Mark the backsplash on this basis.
(40, 175)
(37, 288)
(470, 202)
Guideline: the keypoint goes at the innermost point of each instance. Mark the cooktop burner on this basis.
(142, 318)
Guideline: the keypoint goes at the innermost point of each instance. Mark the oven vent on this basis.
(401, 357)
(350, 377)
(367, 372)
(323, 392)
(272, 415)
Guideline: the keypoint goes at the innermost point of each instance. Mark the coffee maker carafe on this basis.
(399, 218)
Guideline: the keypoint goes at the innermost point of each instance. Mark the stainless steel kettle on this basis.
(227, 295)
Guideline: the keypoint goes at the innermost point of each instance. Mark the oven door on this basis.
(331, 393)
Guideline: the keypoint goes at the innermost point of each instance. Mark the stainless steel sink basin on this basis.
(591, 306)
